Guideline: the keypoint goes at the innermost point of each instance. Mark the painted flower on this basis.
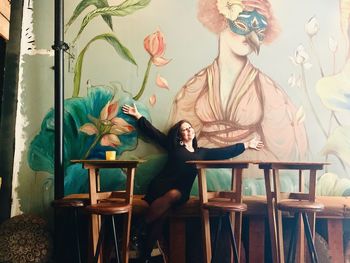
(312, 27)
(230, 8)
(301, 57)
(76, 111)
(154, 44)
(107, 127)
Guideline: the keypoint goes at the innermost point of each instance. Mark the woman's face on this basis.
(236, 43)
(187, 132)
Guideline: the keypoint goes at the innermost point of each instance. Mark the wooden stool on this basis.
(301, 207)
(74, 205)
(224, 209)
(108, 210)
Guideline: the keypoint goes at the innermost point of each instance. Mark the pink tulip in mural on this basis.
(154, 44)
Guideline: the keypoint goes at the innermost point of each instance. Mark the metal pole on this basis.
(59, 48)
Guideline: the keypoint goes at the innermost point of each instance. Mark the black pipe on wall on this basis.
(59, 47)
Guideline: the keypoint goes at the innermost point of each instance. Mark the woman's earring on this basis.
(181, 143)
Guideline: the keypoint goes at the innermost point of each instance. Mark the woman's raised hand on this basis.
(131, 110)
(255, 144)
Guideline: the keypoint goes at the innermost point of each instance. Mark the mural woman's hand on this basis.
(254, 143)
(132, 111)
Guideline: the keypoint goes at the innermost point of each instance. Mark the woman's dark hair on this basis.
(174, 135)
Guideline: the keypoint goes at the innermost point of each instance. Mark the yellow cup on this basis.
(110, 155)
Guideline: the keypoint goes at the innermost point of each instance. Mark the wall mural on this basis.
(235, 98)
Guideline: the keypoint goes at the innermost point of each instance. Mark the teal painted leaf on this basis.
(85, 4)
(114, 42)
(125, 8)
(76, 143)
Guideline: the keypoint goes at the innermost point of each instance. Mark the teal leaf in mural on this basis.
(114, 42)
(86, 3)
(76, 143)
(338, 144)
(125, 8)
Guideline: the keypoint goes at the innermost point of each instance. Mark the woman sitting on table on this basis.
(173, 185)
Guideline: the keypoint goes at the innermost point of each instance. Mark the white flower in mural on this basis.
(312, 27)
(294, 81)
(333, 45)
(301, 57)
(230, 8)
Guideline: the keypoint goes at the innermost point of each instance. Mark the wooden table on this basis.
(274, 195)
(235, 194)
(93, 166)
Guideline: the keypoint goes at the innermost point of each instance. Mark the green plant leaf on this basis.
(114, 42)
(86, 3)
(125, 8)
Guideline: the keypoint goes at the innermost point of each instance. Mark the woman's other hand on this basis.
(254, 143)
(132, 111)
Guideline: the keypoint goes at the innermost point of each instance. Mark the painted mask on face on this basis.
(247, 22)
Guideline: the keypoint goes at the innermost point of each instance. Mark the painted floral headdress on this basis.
(230, 8)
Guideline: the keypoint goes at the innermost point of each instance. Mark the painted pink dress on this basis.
(256, 106)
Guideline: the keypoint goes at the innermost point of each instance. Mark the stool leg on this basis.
(310, 242)
(293, 240)
(99, 242)
(233, 240)
(216, 239)
(77, 233)
(115, 240)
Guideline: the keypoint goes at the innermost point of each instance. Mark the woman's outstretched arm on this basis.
(145, 126)
(230, 151)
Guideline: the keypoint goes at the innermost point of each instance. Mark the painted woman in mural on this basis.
(231, 101)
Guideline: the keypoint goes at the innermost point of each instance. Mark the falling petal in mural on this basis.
(334, 90)
(338, 144)
(153, 100)
(162, 82)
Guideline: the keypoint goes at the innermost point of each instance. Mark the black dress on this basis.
(177, 174)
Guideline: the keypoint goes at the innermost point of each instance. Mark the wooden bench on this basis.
(337, 209)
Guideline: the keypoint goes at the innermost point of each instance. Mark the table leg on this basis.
(202, 187)
(206, 236)
(126, 237)
(271, 217)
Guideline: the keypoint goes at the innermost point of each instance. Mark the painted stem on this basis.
(97, 139)
(145, 78)
(310, 102)
(317, 57)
